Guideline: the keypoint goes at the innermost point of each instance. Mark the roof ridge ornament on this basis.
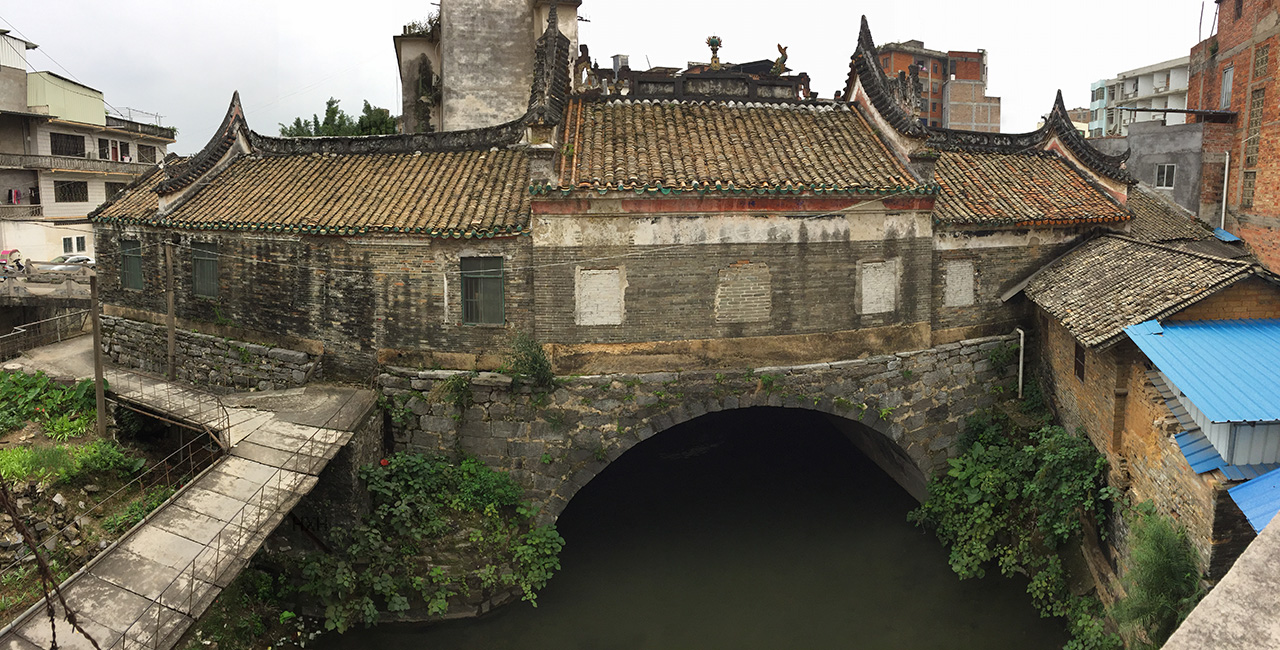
(715, 43)
(895, 98)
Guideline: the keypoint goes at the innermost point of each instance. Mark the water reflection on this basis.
(760, 528)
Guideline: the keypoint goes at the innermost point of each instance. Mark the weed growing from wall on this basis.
(1163, 582)
(527, 362)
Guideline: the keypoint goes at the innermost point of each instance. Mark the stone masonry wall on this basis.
(206, 360)
(1129, 423)
(555, 443)
(361, 298)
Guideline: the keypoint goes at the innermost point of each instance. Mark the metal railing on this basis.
(70, 163)
(42, 332)
(21, 211)
(224, 555)
(193, 408)
(173, 470)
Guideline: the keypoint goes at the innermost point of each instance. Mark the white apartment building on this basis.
(1148, 89)
(61, 155)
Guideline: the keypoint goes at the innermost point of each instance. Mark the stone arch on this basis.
(872, 434)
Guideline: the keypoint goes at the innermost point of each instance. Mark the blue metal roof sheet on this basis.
(1259, 499)
(1199, 451)
(1202, 457)
(1230, 369)
(1224, 235)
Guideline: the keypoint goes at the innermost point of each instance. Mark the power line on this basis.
(55, 62)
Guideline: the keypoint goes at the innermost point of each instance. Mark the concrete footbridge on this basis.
(145, 590)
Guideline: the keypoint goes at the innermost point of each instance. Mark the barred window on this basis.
(131, 264)
(146, 154)
(204, 265)
(482, 299)
(1246, 189)
(70, 191)
(65, 144)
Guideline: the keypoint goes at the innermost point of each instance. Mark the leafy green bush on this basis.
(38, 398)
(106, 456)
(418, 502)
(1013, 497)
(1163, 583)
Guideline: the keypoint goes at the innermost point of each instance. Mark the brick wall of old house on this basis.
(992, 269)
(1157, 471)
(362, 298)
(1129, 423)
(725, 291)
(1090, 403)
(1249, 298)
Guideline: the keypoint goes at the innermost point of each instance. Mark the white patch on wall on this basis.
(879, 292)
(744, 293)
(958, 286)
(599, 295)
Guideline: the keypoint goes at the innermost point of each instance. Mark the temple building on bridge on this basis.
(715, 218)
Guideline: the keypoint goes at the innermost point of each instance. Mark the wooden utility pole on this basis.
(171, 322)
(99, 391)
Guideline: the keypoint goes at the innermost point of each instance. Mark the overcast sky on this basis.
(184, 59)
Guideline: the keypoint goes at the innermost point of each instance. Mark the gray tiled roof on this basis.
(1112, 282)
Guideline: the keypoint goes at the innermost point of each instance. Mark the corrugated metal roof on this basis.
(1230, 369)
(1224, 235)
(1259, 499)
(1199, 451)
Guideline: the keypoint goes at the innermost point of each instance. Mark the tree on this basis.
(372, 121)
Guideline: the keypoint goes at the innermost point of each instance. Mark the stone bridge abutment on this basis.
(905, 411)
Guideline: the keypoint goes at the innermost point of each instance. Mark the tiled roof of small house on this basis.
(707, 146)
(1035, 187)
(138, 199)
(1157, 219)
(1111, 282)
(441, 194)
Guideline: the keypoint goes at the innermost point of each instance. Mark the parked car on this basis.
(65, 263)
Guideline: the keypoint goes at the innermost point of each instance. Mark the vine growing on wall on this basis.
(1012, 499)
(395, 560)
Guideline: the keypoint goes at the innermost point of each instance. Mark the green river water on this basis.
(760, 528)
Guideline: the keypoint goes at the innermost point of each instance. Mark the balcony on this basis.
(165, 132)
(70, 163)
(13, 212)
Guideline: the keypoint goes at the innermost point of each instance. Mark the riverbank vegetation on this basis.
(1020, 490)
(439, 534)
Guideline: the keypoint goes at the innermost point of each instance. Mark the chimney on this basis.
(620, 61)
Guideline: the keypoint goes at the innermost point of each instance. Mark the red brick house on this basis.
(1234, 71)
(1167, 270)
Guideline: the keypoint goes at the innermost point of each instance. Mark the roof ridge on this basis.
(809, 105)
(1175, 249)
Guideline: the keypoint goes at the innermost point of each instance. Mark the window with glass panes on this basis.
(482, 299)
(204, 268)
(131, 264)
